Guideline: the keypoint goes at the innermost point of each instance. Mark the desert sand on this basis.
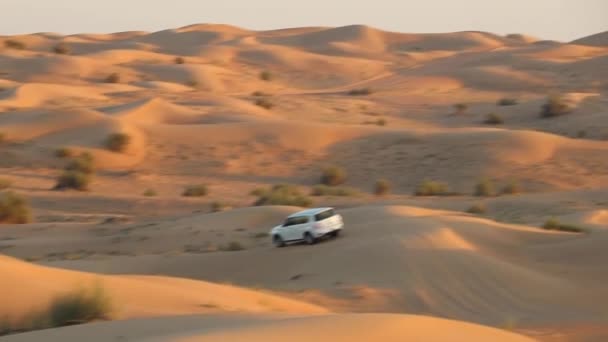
(237, 110)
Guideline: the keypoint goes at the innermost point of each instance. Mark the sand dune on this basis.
(599, 39)
(237, 109)
(37, 94)
(271, 328)
(134, 296)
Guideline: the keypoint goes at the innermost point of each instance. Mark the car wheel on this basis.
(277, 240)
(309, 239)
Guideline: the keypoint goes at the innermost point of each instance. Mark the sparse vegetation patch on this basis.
(325, 190)
(118, 142)
(493, 119)
(360, 92)
(14, 209)
(432, 188)
(556, 105)
(382, 187)
(333, 176)
(554, 224)
(199, 190)
(283, 194)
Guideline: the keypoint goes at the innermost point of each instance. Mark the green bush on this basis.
(283, 194)
(382, 187)
(61, 49)
(506, 101)
(199, 190)
(14, 44)
(266, 76)
(179, 60)
(477, 209)
(333, 176)
(325, 190)
(5, 184)
(432, 188)
(493, 119)
(556, 105)
(150, 193)
(118, 142)
(76, 180)
(113, 78)
(64, 152)
(264, 103)
(484, 188)
(14, 209)
(554, 224)
(512, 188)
(360, 92)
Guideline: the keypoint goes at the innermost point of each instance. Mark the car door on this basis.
(301, 227)
(288, 230)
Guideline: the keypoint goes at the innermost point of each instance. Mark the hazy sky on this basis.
(549, 19)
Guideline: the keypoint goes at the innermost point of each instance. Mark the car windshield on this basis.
(324, 215)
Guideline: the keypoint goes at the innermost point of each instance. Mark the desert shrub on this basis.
(554, 224)
(258, 93)
(493, 119)
(511, 189)
(264, 103)
(77, 174)
(257, 192)
(150, 193)
(76, 307)
(581, 134)
(333, 176)
(14, 209)
(556, 105)
(63, 152)
(325, 190)
(5, 184)
(484, 188)
(117, 142)
(113, 78)
(84, 163)
(477, 209)
(261, 235)
(217, 206)
(76, 180)
(192, 84)
(283, 194)
(382, 187)
(14, 44)
(232, 247)
(506, 101)
(460, 108)
(80, 307)
(61, 49)
(179, 60)
(360, 92)
(266, 76)
(2, 137)
(432, 188)
(199, 190)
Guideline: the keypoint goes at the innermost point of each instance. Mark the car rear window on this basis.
(324, 215)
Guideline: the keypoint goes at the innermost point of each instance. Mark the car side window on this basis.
(292, 221)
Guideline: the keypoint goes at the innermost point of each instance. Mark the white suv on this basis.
(308, 226)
